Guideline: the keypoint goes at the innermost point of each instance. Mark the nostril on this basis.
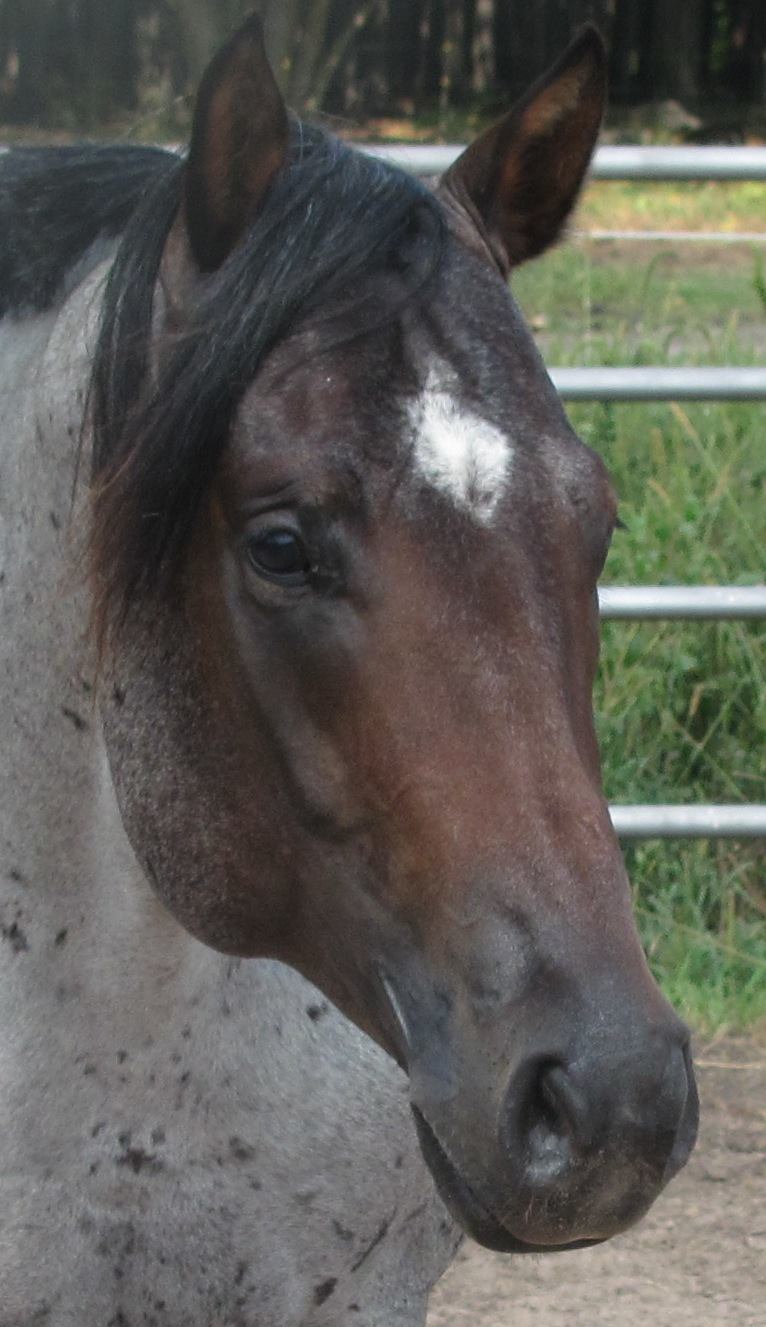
(563, 1105)
(553, 1122)
(632, 1115)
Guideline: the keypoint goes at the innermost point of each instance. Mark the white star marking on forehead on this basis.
(461, 454)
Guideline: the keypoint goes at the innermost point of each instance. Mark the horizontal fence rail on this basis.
(680, 163)
(682, 602)
(655, 383)
(689, 822)
(609, 163)
(693, 602)
(712, 237)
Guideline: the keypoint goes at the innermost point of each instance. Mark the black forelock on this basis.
(332, 218)
(55, 205)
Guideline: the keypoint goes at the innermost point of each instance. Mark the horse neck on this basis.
(65, 854)
(43, 380)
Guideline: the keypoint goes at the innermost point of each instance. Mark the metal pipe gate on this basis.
(609, 163)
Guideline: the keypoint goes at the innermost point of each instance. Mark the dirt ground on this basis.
(697, 1260)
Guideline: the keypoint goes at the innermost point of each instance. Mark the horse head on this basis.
(346, 547)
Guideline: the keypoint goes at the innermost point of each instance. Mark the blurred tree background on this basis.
(88, 64)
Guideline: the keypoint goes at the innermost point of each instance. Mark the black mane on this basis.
(332, 218)
(59, 208)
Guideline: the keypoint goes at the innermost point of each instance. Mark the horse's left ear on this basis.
(521, 178)
(239, 141)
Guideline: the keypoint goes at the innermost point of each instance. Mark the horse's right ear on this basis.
(239, 142)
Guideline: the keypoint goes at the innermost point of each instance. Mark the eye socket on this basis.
(279, 554)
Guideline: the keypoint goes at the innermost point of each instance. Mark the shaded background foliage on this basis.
(82, 64)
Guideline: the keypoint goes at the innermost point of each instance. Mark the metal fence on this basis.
(690, 822)
(654, 383)
(609, 163)
(682, 603)
(702, 237)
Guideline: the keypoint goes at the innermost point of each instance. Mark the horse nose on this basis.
(638, 1109)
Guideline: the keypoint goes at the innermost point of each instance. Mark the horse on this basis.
(317, 946)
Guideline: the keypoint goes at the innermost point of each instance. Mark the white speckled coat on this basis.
(185, 1138)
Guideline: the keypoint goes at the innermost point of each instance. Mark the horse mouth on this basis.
(467, 1208)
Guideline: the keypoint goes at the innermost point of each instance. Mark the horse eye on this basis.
(279, 555)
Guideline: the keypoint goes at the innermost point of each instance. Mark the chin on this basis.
(470, 1212)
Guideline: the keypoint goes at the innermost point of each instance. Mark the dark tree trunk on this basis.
(29, 27)
(308, 52)
(467, 43)
(404, 47)
(200, 33)
(452, 84)
(628, 64)
(282, 22)
(482, 46)
(105, 62)
(521, 46)
(434, 51)
(675, 50)
(746, 73)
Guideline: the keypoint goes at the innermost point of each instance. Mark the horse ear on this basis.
(239, 141)
(521, 178)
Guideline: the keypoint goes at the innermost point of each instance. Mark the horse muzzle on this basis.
(573, 1160)
(559, 1145)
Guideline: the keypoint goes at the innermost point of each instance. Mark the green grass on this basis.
(692, 205)
(639, 304)
(681, 707)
